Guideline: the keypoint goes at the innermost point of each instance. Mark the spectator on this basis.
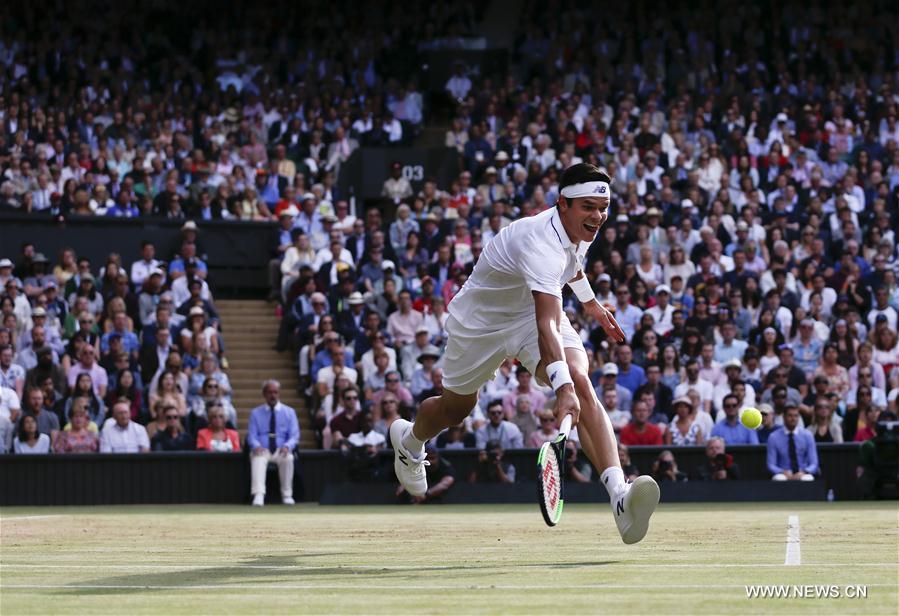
(80, 436)
(441, 477)
(524, 387)
(83, 389)
(490, 467)
(12, 376)
(523, 418)
(617, 416)
(403, 323)
(768, 426)
(349, 420)
(664, 469)
(826, 425)
(624, 456)
(10, 407)
(216, 436)
(547, 431)
(173, 437)
(719, 465)
(630, 376)
(792, 453)
(730, 428)
(120, 434)
(639, 431)
(272, 436)
(87, 365)
(608, 380)
(498, 429)
(421, 377)
(29, 439)
(47, 421)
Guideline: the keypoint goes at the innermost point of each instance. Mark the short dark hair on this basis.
(494, 402)
(580, 173)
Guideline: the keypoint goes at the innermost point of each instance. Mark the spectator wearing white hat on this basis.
(608, 380)
(662, 312)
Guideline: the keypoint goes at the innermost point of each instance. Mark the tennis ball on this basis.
(751, 418)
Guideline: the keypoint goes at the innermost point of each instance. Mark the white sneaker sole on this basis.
(642, 501)
(397, 429)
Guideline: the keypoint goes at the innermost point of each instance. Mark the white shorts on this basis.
(473, 356)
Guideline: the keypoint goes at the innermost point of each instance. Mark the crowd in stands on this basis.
(119, 357)
(750, 255)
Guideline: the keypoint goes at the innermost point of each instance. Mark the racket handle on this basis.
(565, 428)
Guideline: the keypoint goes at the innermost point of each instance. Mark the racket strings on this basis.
(552, 482)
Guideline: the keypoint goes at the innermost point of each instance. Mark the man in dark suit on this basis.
(440, 269)
(154, 355)
(351, 322)
(357, 242)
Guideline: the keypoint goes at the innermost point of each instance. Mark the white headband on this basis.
(587, 189)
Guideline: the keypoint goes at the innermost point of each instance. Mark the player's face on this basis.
(584, 216)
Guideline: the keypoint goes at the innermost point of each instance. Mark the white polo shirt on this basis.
(531, 254)
(9, 402)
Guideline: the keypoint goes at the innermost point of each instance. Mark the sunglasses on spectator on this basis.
(547, 420)
(391, 401)
(496, 412)
(348, 398)
(393, 380)
(171, 417)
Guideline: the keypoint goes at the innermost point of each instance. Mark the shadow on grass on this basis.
(257, 571)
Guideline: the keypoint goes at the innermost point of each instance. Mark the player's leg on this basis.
(408, 439)
(634, 503)
(470, 361)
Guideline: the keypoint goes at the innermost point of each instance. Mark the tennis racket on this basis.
(550, 470)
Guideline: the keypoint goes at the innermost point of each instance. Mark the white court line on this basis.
(185, 567)
(377, 587)
(29, 517)
(793, 557)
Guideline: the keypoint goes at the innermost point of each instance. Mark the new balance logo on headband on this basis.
(601, 189)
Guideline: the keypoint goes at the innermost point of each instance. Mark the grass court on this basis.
(309, 559)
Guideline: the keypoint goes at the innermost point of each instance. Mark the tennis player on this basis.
(511, 306)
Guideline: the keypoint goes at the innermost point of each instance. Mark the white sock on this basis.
(411, 443)
(613, 479)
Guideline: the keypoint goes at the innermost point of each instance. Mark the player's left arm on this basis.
(581, 287)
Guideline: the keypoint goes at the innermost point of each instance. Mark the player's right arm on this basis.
(552, 355)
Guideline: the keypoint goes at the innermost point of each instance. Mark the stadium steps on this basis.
(251, 328)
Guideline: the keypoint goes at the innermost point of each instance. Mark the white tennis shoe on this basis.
(633, 508)
(409, 469)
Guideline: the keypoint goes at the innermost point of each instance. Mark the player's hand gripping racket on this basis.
(550, 470)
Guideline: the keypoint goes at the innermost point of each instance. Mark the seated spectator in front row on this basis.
(349, 420)
(120, 434)
(173, 437)
(272, 436)
(441, 477)
(77, 438)
(665, 468)
(792, 453)
(29, 439)
(217, 437)
(719, 465)
(491, 468)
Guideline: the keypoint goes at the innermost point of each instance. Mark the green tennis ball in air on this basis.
(751, 418)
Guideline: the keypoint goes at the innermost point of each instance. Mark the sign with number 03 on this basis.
(414, 173)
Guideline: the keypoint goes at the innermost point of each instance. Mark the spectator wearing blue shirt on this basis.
(272, 435)
(178, 267)
(807, 350)
(792, 454)
(130, 341)
(730, 429)
(124, 207)
(630, 375)
(627, 315)
(729, 348)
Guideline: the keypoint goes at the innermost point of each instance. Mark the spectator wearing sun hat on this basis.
(662, 312)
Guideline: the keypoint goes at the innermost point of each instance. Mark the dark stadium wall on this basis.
(96, 479)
